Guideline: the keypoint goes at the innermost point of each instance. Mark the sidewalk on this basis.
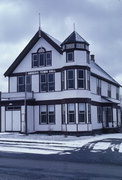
(58, 144)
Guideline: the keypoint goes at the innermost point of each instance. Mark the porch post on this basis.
(25, 104)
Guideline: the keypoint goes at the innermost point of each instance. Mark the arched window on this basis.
(41, 58)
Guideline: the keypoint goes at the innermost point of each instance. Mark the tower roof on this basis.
(74, 37)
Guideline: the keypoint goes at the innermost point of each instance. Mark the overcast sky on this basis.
(98, 21)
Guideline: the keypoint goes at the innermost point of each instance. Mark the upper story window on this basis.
(24, 83)
(71, 79)
(98, 81)
(109, 90)
(62, 80)
(70, 56)
(88, 80)
(41, 58)
(81, 78)
(47, 82)
(117, 93)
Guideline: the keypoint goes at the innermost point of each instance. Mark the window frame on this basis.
(68, 80)
(47, 115)
(83, 113)
(99, 114)
(67, 54)
(45, 60)
(109, 90)
(83, 79)
(25, 84)
(98, 86)
(63, 80)
(68, 114)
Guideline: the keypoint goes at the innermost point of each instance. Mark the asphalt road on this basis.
(15, 166)
(80, 164)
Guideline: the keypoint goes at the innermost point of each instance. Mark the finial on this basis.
(74, 26)
(39, 26)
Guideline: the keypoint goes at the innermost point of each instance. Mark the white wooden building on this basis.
(59, 87)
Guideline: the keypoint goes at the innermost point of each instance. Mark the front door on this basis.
(13, 120)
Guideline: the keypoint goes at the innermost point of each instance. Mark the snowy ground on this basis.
(59, 144)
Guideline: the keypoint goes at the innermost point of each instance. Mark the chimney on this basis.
(93, 57)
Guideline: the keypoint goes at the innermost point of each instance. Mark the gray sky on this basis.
(98, 21)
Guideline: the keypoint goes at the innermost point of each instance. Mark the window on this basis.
(69, 56)
(63, 114)
(70, 79)
(99, 114)
(43, 114)
(48, 59)
(117, 93)
(28, 83)
(41, 58)
(98, 81)
(88, 80)
(109, 90)
(109, 114)
(47, 114)
(82, 113)
(80, 46)
(81, 79)
(51, 82)
(47, 82)
(35, 60)
(51, 114)
(71, 113)
(43, 82)
(70, 46)
(62, 80)
(21, 83)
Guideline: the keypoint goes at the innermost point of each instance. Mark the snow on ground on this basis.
(57, 144)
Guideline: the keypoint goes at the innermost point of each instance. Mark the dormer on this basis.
(74, 42)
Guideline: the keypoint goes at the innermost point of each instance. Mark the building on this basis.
(58, 87)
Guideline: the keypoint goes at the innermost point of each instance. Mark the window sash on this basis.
(82, 113)
(100, 114)
(42, 59)
(81, 78)
(70, 80)
(43, 83)
(71, 113)
(47, 114)
(51, 82)
(69, 56)
(98, 81)
(35, 60)
(62, 80)
(48, 58)
(21, 85)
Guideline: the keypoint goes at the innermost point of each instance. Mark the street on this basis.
(29, 167)
(89, 162)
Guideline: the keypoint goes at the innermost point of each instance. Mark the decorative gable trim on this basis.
(29, 46)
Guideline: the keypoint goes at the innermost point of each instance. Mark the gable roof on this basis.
(74, 37)
(98, 71)
(55, 43)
